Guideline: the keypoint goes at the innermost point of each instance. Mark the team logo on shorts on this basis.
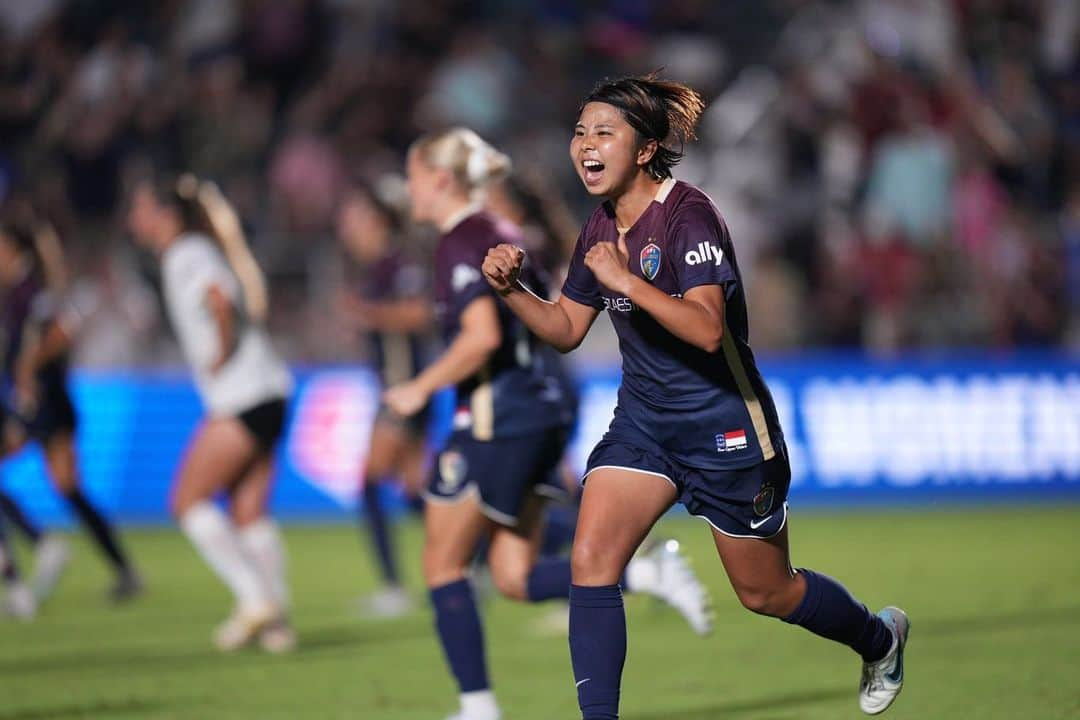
(731, 440)
(452, 469)
(763, 501)
(650, 260)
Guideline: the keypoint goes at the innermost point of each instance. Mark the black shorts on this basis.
(54, 415)
(742, 502)
(265, 421)
(503, 472)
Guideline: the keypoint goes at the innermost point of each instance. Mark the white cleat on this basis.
(20, 602)
(676, 584)
(883, 680)
(243, 626)
(387, 603)
(51, 556)
(278, 637)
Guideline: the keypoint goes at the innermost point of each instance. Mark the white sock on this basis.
(479, 705)
(213, 535)
(642, 575)
(262, 542)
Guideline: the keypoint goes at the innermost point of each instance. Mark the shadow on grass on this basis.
(325, 640)
(786, 701)
(973, 624)
(100, 708)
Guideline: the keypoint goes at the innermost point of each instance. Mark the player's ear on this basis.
(646, 151)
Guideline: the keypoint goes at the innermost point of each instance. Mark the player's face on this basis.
(143, 215)
(604, 150)
(9, 258)
(361, 228)
(423, 183)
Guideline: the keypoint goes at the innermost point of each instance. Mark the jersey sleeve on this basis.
(703, 248)
(580, 284)
(460, 269)
(410, 281)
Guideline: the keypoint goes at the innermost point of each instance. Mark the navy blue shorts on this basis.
(748, 502)
(503, 472)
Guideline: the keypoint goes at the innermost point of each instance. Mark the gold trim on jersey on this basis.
(482, 406)
(746, 389)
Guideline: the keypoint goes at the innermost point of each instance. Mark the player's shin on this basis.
(597, 648)
(828, 609)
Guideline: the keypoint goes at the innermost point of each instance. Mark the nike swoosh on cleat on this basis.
(579, 683)
(896, 675)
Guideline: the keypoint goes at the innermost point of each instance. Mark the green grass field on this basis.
(994, 597)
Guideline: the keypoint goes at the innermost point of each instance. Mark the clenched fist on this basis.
(502, 267)
(610, 264)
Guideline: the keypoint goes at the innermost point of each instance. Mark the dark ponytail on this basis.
(659, 110)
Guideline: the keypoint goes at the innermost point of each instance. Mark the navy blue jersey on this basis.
(520, 389)
(395, 356)
(708, 410)
(28, 309)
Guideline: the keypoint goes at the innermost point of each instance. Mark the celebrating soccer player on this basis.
(695, 422)
(510, 422)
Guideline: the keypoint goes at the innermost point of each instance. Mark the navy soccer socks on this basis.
(379, 528)
(462, 637)
(597, 648)
(549, 580)
(99, 528)
(830, 611)
(18, 518)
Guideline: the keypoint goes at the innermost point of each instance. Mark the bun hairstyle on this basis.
(659, 110)
(203, 208)
(472, 160)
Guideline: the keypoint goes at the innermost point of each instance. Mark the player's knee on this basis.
(592, 562)
(763, 600)
(439, 567)
(511, 582)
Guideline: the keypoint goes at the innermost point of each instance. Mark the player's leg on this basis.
(517, 569)
(452, 529)
(50, 549)
(761, 574)
(387, 448)
(62, 464)
(261, 539)
(19, 600)
(220, 453)
(618, 508)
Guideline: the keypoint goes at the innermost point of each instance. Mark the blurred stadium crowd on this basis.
(896, 173)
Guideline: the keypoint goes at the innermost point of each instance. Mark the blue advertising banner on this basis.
(909, 430)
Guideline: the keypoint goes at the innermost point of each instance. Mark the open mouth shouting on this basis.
(593, 172)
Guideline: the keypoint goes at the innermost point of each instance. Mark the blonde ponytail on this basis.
(473, 161)
(226, 228)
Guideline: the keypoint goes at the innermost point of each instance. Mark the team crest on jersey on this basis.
(650, 260)
(763, 501)
(452, 470)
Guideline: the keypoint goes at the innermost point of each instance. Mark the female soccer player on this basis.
(389, 306)
(216, 298)
(36, 332)
(510, 423)
(694, 421)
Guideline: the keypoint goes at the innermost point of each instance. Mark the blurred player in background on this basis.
(217, 300)
(37, 329)
(387, 303)
(510, 426)
(695, 422)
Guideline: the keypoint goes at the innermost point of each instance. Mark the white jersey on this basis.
(254, 373)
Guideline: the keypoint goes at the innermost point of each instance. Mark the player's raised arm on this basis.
(562, 324)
